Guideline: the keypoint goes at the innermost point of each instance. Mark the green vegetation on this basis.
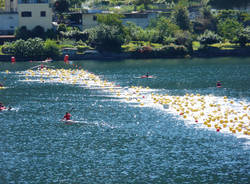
(171, 34)
(32, 48)
(2, 5)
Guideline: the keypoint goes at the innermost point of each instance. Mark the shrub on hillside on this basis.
(209, 37)
(174, 50)
(8, 48)
(244, 37)
(38, 31)
(29, 48)
(106, 38)
(51, 49)
(23, 33)
(75, 34)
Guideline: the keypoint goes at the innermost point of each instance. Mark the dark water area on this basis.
(119, 142)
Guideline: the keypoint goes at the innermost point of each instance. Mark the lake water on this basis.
(123, 133)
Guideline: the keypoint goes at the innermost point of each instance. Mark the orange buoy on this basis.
(66, 58)
(13, 59)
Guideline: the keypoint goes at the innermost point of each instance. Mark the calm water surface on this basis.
(120, 142)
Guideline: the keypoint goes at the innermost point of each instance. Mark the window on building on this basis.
(26, 14)
(43, 13)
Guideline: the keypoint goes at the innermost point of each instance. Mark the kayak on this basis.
(146, 76)
(2, 108)
(70, 122)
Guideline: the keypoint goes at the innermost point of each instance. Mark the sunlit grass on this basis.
(133, 45)
(225, 46)
(196, 45)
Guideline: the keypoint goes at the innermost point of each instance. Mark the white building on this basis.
(11, 5)
(9, 22)
(9, 18)
(34, 13)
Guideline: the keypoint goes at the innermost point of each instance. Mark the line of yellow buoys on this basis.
(217, 113)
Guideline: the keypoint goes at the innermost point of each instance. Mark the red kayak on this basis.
(146, 76)
(2, 108)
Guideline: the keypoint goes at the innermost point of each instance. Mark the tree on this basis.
(165, 27)
(226, 4)
(244, 36)
(184, 38)
(229, 29)
(61, 6)
(181, 18)
(38, 31)
(145, 3)
(206, 21)
(106, 38)
(23, 33)
(29, 48)
(51, 49)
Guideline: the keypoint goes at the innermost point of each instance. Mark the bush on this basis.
(184, 38)
(30, 48)
(244, 36)
(38, 31)
(51, 49)
(75, 34)
(51, 34)
(229, 29)
(8, 48)
(209, 37)
(106, 38)
(23, 33)
(174, 50)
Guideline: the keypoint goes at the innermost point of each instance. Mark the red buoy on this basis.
(13, 59)
(66, 58)
(218, 130)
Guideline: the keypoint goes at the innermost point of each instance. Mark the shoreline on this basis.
(205, 53)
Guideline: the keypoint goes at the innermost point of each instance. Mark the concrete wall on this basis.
(88, 20)
(35, 19)
(9, 22)
(140, 19)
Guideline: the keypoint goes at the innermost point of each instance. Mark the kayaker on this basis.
(2, 107)
(67, 116)
(218, 84)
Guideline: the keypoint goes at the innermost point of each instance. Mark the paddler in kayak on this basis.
(67, 116)
(145, 76)
(218, 84)
(2, 107)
